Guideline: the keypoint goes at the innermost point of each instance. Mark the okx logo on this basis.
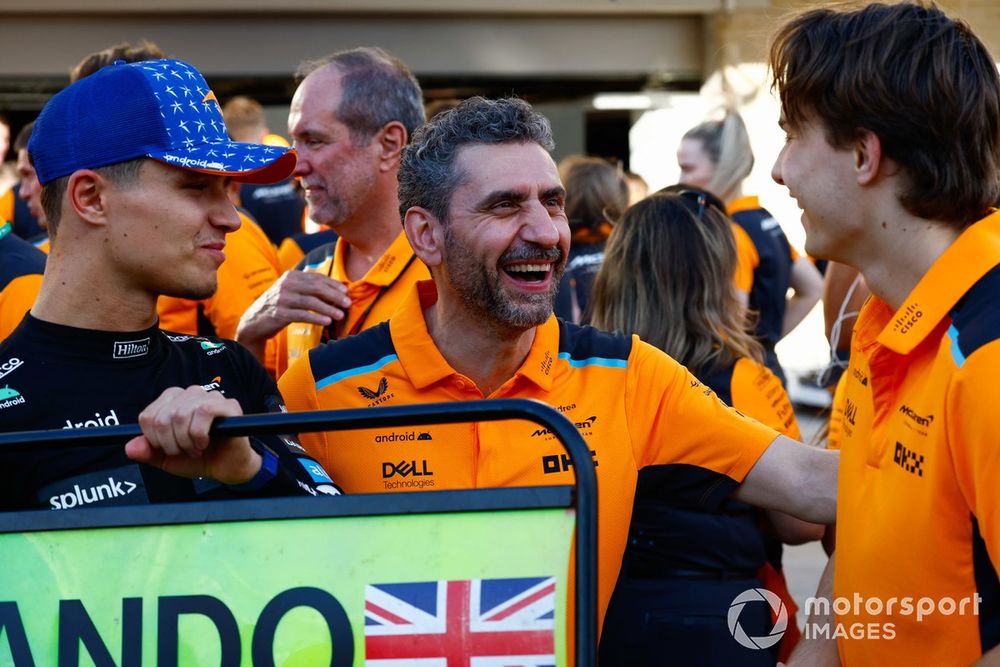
(757, 595)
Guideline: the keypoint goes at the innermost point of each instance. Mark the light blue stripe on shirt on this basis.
(594, 361)
(956, 351)
(337, 377)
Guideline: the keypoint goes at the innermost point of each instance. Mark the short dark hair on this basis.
(124, 174)
(21, 142)
(127, 51)
(427, 174)
(918, 79)
(378, 88)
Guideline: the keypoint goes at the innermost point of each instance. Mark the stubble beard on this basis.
(482, 292)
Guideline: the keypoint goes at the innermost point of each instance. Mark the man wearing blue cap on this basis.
(134, 162)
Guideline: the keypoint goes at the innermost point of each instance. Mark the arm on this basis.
(297, 296)
(794, 478)
(814, 652)
(176, 440)
(807, 284)
(790, 530)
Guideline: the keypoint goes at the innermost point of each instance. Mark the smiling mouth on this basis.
(529, 272)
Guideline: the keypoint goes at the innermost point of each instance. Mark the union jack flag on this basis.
(469, 623)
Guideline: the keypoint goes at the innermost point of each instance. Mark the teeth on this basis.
(528, 267)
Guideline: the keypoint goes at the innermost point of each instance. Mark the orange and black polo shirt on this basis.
(251, 267)
(21, 268)
(373, 298)
(918, 512)
(772, 270)
(635, 406)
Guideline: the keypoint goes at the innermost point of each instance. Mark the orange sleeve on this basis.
(7, 205)
(289, 254)
(16, 299)
(747, 259)
(674, 418)
(758, 393)
(298, 387)
(251, 266)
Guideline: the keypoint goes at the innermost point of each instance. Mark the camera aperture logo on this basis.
(777, 606)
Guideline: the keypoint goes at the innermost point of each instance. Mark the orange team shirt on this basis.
(918, 512)
(747, 259)
(373, 298)
(251, 267)
(7, 205)
(751, 203)
(633, 404)
(21, 268)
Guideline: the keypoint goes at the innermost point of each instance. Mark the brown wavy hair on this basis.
(920, 80)
(667, 275)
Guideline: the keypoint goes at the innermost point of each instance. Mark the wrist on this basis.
(261, 469)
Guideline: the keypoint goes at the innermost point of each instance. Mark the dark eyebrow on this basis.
(500, 195)
(558, 191)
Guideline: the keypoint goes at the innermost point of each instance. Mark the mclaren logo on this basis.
(586, 425)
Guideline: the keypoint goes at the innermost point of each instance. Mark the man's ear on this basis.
(868, 159)
(85, 194)
(425, 234)
(391, 140)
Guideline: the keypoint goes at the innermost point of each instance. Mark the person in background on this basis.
(29, 214)
(638, 188)
(716, 156)
(350, 119)
(667, 276)
(596, 196)
(278, 208)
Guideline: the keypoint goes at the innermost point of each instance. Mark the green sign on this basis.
(359, 590)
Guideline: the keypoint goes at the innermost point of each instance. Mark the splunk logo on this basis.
(126, 349)
(77, 496)
(111, 419)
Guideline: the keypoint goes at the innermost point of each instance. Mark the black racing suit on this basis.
(59, 377)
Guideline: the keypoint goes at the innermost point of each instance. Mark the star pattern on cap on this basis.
(193, 120)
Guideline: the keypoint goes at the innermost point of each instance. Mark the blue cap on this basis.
(160, 109)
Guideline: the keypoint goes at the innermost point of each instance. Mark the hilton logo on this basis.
(131, 348)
